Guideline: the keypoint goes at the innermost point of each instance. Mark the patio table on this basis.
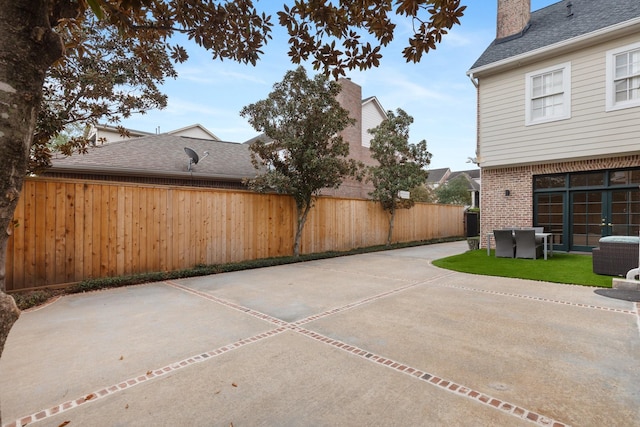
(547, 243)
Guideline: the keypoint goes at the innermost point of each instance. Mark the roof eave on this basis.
(614, 31)
(142, 172)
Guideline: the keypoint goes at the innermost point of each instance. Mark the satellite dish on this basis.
(193, 156)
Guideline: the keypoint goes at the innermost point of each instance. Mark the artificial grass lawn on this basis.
(559, 268)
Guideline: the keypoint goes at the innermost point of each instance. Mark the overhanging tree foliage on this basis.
(33, 40)
(401, 165)
(110, 80)
(303, 151)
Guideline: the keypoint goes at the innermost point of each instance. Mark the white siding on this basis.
(193, 132)
(591, 132)
(371, 117)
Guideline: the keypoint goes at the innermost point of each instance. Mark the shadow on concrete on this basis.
(623, 294)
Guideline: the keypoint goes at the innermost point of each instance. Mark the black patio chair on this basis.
(526, 244)
(505, 245)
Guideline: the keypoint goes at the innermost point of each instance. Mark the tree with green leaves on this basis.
(40, 34)
(423, 193)
(401, 165)
(303, 151)
(454, 192)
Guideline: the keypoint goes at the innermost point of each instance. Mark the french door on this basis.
(581, 207)
(595, 214)
(578, 219)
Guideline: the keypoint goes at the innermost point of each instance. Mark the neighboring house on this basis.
(368, 113)
(106, 134)
(438, 177)
(160, 159)
(473, 178)
(372, 115)
(559, 120)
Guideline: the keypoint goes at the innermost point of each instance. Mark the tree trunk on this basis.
(28, 47)
(392, 217)
(302, 219)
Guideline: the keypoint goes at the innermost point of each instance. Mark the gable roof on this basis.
(195, 127)
(553, 25)
(375, 102)
(436, 176)
(162, 156)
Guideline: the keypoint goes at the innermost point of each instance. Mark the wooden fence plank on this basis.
(78, 232)
(30, 215)
(69, 233)
(88, 231)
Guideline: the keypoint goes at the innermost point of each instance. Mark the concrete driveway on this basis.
(381, 339)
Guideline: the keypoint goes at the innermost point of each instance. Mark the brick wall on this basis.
(351, 99)
(513, 17)
(500, 210)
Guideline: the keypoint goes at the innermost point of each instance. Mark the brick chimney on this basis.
(513, 17)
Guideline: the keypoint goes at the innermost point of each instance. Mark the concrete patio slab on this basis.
(375, 339)
(533, 352)
(288, 380)
(85, 341)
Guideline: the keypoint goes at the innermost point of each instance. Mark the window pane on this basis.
(634, 62)
(549, 181)
(634, 93)
(621, 65)
(536, 86)
(618, 177)
(557, 81)
(591, 179)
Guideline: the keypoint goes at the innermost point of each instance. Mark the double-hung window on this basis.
(623, 77)
(548, 94)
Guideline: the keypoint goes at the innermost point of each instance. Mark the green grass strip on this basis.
(559, 268)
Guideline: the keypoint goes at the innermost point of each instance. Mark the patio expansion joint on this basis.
(140, 379)
(229, 304)
(540, 299)
(436, 381)
(367, 300)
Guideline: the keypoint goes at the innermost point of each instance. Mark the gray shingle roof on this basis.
(163, 155)
(435, 175)
(551, 25)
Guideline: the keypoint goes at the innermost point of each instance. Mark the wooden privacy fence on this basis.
(68, 230)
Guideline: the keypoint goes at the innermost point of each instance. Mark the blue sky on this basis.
(436, 92)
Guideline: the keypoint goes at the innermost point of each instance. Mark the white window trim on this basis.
(566, 90)
(611, 104)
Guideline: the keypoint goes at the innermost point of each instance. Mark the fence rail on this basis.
(68, 230)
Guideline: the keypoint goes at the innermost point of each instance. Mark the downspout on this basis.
(473, 80)
(476, 84)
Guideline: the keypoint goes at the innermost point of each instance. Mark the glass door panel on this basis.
(586, 219)
(550, 213)
(624, 213)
